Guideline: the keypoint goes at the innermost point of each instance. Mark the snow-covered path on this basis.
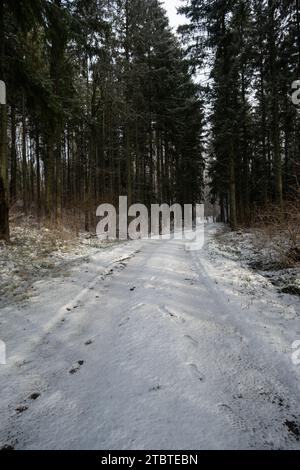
(149, 346)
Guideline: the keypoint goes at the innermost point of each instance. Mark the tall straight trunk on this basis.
(112, 163)
(264, 135)
(24, 161)
(246, 190)
(58, 179)
(4, 191)
(4, 187)
(138, 177)
(102, 153)
(222, 209)
(86, 199)
(232, 189)
(69, 192)
(13, 158)
(151, 162)
(297, 125)
(38, 177)
(49, 175)
(32, 175)
(158, 167)
(168, 192)
(275, 106)
(128, 153)
(298, 32)
(129, 167)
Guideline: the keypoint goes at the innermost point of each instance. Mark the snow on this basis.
(36, 252)
(267, 253)
(148, 346)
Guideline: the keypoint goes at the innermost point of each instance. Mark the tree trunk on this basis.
(24, 161)
(4, 194)
(49, 174)
(275, 107)
(298, 33)
(245, 140)
(38, 177)
(13, 160)
(232, 189)
(4, 189)
(264, 136)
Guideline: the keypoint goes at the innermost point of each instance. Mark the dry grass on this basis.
(37, 251)
(280, 230)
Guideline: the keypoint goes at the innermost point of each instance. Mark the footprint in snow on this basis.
(191, 281)
(21, 408)
(192, 340)
(233, 417)
(172, 314)
(196, 372)
(22, 363)
(224, 406)
(89, 342)
(69, 309)
(76, 367)
(34, 396)
(121, 267)
(156, 388)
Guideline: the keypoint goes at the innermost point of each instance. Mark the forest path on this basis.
(149, 346)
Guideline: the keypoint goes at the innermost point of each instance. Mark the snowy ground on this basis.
(148, 346)
(36, 253)
(266, 253)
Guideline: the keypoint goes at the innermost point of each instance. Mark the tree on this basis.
(4, 185)
(104, 102)
(252, 50)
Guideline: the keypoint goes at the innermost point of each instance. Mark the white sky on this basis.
(170, 6)
(175, 21)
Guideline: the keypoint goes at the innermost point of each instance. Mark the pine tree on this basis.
(252, 49)
(105, 105)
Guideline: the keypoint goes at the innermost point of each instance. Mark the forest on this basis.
(101, 103)
(177, 328)
(252, 52)
(105, 100)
